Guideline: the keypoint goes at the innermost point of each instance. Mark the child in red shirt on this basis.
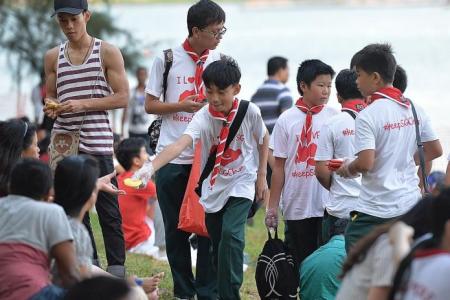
(131, 154)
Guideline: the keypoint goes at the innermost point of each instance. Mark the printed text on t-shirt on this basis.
(399, 125)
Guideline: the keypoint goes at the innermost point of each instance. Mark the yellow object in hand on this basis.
(134, 183)
(51, 104)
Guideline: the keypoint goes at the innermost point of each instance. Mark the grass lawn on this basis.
(142, 265)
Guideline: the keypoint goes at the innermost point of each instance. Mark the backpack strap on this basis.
(242, 110)
(420, 148)
(351, 113)
(168, 60)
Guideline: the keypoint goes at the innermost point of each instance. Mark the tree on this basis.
(27, 32)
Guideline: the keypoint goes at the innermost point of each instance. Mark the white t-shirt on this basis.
(336, 140)
(302, 196)
(391, 188)
(180, 84)
(237, 176)
(376, 270)
(429, 277)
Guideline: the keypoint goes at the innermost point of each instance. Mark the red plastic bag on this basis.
(192, 214)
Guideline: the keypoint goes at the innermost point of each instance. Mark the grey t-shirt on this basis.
(376, 270)
(39, 224)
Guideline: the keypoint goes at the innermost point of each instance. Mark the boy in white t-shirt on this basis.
(295, 136)
(183, 97)
(385, 145)
(228, 191)
(336, 141)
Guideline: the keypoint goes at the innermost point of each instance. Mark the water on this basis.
(419, 35)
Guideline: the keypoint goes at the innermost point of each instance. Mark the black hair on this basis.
(75, 180)
(377, 58)
(127, 150)
(15, 136)
(99, 287)
(400, 79)
(354, 59)
(346, 85)
(204, 13)
(338, 227)
(438, 216)
(309, 70)
(31, 178)
(415, 218)
(275, 64)
(222, 73)
(140, 68)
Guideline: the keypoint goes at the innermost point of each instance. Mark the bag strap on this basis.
(242, 110)
(168, 60)
(420, 148)
(351, 113)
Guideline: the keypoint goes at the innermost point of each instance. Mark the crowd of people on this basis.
(363, 217)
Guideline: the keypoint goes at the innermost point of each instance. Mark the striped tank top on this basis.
(82, 82)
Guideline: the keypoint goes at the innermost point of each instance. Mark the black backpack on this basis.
(275, 273)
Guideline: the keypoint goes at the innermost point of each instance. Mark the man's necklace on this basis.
(85, 56)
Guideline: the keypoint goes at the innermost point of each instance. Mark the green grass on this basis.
(142, 266)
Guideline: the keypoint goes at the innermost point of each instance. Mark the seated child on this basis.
(131, 154)
(76, 191)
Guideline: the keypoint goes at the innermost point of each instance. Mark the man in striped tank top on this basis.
(86, 76)
(183, 97)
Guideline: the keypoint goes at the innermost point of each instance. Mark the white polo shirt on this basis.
(302, 196)
(391, 188)
(337, 138)
(237, 175)
(180, 84)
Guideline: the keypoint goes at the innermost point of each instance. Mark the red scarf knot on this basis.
(222, 137)
(393, 94)
(355, 105)
(306, 149)
(199, 62)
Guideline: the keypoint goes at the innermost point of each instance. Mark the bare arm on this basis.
(277, 183)
(378, 293)
(50, 60)
(171, 152)
(447, 175)
(271, 159)
(431, 150)
(323, 174)
(363, 163)
(154, 106)
(115, 76)
(64, 255)
(261, 180)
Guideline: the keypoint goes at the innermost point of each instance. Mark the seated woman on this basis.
(424, 272)
(76, 190)
(18, 139)
(32, 232)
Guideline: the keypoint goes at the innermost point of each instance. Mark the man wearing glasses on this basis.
(183, 96)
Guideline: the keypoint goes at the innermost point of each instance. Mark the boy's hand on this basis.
(189, 104)
(104, 184)
(145, 173)
(50, 106)
(271, 219)
(344, 170)
(262, 190)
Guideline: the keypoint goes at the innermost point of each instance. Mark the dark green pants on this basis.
(327, 223)
(171, 181)
(227, 231)
(360, 224)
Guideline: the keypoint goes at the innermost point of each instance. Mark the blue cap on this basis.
(73, 7)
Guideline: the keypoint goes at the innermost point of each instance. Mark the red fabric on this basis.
(355, 106)
(199, 61)
(192, 214)
(24, 271)
(133, 208)
(222, 137)
(391, 93)
(306, 149)
(429, 252)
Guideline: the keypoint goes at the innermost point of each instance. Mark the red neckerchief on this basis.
(199, 62)
(355, 106)
(306, 151)
(391, 93)
(222, 137)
